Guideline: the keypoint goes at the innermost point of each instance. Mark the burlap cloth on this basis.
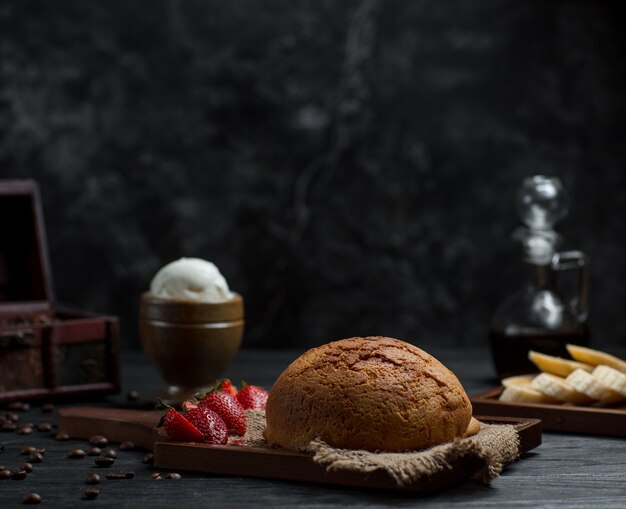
(494, 446)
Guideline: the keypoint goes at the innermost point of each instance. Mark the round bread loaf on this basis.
(373, 393)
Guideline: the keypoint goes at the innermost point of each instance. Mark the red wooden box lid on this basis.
(25, 278)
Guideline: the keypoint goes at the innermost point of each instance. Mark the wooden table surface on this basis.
(566, 471)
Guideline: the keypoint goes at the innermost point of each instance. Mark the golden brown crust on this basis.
(472, 428)
(373, 393)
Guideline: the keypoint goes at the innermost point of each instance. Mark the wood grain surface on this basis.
(566, 471)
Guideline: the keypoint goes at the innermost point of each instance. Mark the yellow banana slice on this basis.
(522, 394)
(556, 388)
(520, 380)
(586, 383)
(556, 365)
(612, 378)
(596, 357)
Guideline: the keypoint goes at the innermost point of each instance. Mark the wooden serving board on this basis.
(573, 419)
(139, 426)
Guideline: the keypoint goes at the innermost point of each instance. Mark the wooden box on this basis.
(45, 352)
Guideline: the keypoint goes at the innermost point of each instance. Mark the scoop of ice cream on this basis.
(190, 279)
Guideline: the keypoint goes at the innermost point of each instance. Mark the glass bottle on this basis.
(538, 317)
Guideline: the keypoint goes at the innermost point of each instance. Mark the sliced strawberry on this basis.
(179, 428)
(227, 386)
(229, 409)
(211, 425)
(253, 397)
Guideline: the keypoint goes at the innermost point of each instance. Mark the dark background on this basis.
(350, 166)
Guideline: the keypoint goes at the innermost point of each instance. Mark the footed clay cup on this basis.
(192, 343)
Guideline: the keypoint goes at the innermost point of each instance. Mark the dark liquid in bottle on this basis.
(510, 351)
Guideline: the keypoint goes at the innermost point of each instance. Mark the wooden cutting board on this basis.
(138, 426)
(574, 419)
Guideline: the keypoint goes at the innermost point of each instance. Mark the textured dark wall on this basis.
(350, 166)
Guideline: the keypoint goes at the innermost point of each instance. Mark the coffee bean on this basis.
(24, 430)
(41, 450)
(44, 426)
(27, 467)
(35, 457)
(148, 458)
(8, 426)
(32, 498)
(19, 475)
(127, 446)
(2, 467)
(12, 416)
(109, 453)
(91, 493)
(120, 475)
(62, 436)
(47, 408)
(98, 441)
(103, 461)
(93, 479)
(172, 475)
(94, 451)
(28, 450)
(5, 474)
(132, 396)
(156, 476)
(18, 405)
(76, 454)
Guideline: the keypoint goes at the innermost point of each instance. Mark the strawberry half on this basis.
(211, 426)
(253, 397)
(179, 428)
(228, 408)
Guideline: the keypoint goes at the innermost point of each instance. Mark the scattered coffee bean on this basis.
(103, 461)
(120, 475)
(12, 416)
(156, 476)
(2, 467)
(44, 426)
(18, 405)
(35, 457)
(27, 467)
(132, 396)
(5, 474)
(41, 450)
(93, 479)
(148, 458)
(19, 475)
(32, 498)
(24, 430)
(98, 441)
(172, 475)
(91, 493)
(127, 446)
(109, 453)
(62, 436)
(8, 426)
(94, 451)
(28, 450)
(76, 454)
(47, 408)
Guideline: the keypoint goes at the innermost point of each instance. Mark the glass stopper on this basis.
(542, 202)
